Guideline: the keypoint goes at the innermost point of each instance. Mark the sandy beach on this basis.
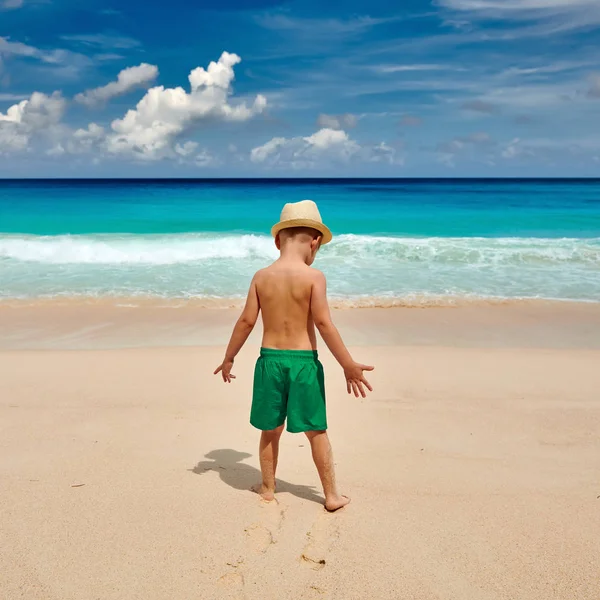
(473, 467)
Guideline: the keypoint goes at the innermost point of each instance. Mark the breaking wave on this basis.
(389, 269)
(186, 248)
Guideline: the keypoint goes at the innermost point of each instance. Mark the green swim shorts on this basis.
(288, 383)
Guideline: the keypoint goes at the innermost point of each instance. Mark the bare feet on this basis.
(333, 504)
(264, 492)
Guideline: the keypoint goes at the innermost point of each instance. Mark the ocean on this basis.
(414, 242)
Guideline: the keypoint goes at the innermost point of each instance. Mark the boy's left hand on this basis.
(225, 369)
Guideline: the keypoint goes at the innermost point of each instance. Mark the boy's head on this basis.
(305, 239)
(301, 224)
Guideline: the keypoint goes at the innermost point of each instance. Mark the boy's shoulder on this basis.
(276, 268)
(310, 273)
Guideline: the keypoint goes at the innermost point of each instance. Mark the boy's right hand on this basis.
(355, 380)
(225, 369)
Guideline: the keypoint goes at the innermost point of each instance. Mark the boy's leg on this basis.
(268, 452)
(323, 457)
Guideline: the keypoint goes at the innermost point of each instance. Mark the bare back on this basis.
(284, 293)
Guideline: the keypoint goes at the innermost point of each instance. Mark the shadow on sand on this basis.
(241, 476)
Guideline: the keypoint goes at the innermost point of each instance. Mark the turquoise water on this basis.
(394, 240)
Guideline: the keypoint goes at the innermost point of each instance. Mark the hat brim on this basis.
(322, 229)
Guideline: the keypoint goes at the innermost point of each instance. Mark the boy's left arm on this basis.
(241, 331)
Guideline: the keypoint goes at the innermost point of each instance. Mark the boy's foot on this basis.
(336, 503)
(265, 493)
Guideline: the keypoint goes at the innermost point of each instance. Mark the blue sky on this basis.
(446, 88)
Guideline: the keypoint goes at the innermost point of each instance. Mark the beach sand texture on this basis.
(474, 467)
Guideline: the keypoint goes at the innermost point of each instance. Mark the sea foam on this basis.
(359, 267)
(185, 248)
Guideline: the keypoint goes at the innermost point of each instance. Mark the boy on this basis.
(288, 379)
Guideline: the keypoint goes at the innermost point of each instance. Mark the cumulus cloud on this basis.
(303, 152)
(127, 80)
(163, 114)
(324, 147)
(88, 140)
(188, 153)
(28, 118)
(37, 112)
(346, 121)
(156, 128)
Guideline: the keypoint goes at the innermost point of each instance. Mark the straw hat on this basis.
(302, 214)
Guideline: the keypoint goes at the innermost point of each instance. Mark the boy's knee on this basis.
(273, 433)
(311, 435)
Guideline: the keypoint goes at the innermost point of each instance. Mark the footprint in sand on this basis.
(321, 537)
(234, 583)
(265, 532)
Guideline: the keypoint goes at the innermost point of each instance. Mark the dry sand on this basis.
(474, 467)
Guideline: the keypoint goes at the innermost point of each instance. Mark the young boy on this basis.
(288, 379)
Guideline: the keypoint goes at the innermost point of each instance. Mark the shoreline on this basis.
(418, 301)
(98, 324)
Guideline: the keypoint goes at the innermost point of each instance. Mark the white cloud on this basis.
(23, 121)
(10, 4)
(18, 49)
(12, 97)
(86, 140)
(555, 15)
(103, 40)
(163, 114)
(518, 8)
(57, 150)
(409, 68)
(127, 80)
(205, 159)
(13, 138)
(512, 149)
(188, 154)
(59, 63)
(316, 27)
(320, 149)
(152, 130)
(347, 121)
(186, 148)
(37, 112)
(327, 138)
(382, 153)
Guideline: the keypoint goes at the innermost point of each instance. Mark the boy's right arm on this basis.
(241, 331)
(353, 371)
